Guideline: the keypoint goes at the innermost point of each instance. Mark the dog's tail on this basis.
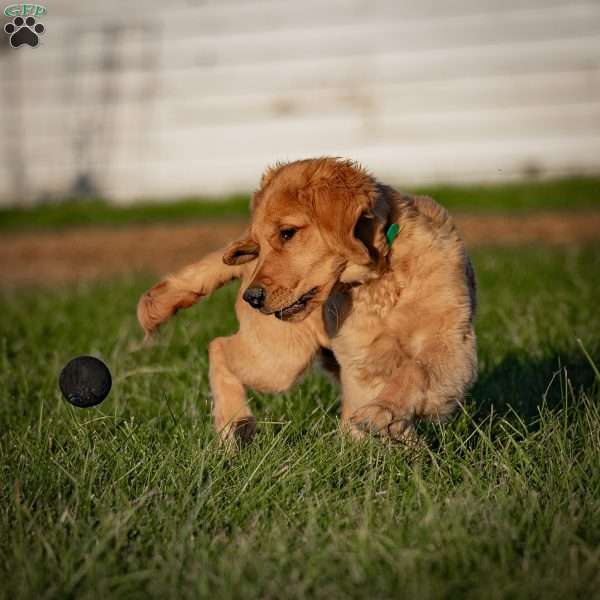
(183, 289)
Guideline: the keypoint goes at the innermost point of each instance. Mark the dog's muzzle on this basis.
(297, 307)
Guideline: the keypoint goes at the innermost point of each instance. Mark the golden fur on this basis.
(396, 323)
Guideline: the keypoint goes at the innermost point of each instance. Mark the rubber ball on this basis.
(85, 381)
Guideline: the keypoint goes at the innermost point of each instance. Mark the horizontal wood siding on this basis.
(167, 99)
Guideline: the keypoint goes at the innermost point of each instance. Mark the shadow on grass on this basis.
(522, 385)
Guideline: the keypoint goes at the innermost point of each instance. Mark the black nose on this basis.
(255, 296)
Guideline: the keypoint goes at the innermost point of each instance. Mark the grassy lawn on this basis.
(134, 499)
(569, 193)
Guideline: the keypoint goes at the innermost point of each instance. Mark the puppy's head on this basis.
(312, 220)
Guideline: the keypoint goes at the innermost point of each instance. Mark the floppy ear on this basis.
(240, 252)
(340, 215)
(371, 226)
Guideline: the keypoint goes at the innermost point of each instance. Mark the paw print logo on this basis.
(24, 31)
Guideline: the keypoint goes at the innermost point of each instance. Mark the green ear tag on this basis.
(391, 233)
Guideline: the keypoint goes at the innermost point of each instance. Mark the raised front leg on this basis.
(183, 289)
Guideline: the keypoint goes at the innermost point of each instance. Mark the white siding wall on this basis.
(164, 99)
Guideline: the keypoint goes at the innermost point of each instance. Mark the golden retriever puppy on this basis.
(334, 260)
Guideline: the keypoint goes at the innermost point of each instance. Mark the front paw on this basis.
(160, 303)
(239, 433)
(381, 420)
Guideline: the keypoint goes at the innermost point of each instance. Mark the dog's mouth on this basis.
(299, 306)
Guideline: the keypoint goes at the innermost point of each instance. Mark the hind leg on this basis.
(386, 411)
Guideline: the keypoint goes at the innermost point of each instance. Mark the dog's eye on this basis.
(287, 234)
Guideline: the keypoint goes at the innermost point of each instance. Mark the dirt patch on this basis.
(84, 254)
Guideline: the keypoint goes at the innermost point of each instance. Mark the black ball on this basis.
(85, 381)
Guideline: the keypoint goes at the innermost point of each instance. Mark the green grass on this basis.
(83, 213)
(575, 193)
(133, 498)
